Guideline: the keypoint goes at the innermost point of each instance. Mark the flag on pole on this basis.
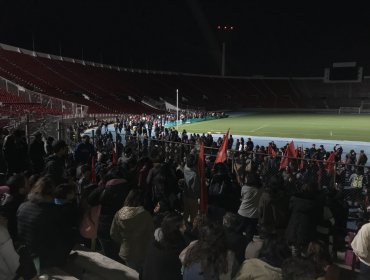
(93, 172)
(301, 164)
(203, 207)
(330, 163)
(289, 154)
(114, 155)
(221, 154)
(271, 151)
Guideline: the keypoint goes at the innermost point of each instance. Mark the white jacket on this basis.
(361, 244)
(9, 259)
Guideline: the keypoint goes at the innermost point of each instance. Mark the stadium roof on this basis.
(269, 38)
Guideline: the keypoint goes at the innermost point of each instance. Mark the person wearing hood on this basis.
(55, 164)
(133, 229)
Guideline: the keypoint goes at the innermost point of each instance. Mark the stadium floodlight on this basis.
(177, 109)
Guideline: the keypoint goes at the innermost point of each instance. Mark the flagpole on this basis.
(177, 109)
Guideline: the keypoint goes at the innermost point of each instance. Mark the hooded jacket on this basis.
(133, 228)
(257, 269)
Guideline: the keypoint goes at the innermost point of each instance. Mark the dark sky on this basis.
(181, 35)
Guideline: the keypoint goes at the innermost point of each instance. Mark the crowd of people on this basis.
(140, 199)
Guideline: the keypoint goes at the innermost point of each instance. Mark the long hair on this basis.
(210, 250)
(43, 186)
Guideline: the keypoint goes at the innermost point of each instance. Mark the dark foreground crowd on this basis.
(141, 202)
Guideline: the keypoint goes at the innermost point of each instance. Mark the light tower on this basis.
(224, 32)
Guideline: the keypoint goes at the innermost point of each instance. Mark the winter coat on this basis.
(163, 263)
(9, 259)
(15, 154)
(37, 153)
(41, 228)
(133, 228)
(361, 244)
(111, 197)
(84, 152)
(10, 205)
(55, 169)
(305, 214)
(256, 269)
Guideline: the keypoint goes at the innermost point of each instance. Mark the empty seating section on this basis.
(107, 90)
(7, 98)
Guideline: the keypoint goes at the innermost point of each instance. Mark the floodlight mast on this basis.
(177, 109)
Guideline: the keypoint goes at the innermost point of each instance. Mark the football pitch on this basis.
(305, 126)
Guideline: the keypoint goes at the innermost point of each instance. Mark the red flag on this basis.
(114, 155)
(221, 154)
(301, 165)
(203, 188)
(271, 151)
(93, 173)
(288, 155)
(330, 162)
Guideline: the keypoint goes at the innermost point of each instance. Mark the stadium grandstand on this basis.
(66, 86)
(114, 172)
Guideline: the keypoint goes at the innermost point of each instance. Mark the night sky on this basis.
(181, 35)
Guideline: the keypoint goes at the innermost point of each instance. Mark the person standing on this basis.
(16, 152)
(84, 151)
(248, 210)
(37, 154)
(133, 229)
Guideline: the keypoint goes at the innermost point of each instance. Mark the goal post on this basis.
(349, 110)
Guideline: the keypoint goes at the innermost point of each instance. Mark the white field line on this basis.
(258, 128)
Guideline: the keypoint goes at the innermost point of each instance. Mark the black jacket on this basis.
(41, 229)
(55, 169)
(37, 154)
(305, 215)
(162, 263)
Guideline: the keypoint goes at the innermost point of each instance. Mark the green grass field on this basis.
(311, 126)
